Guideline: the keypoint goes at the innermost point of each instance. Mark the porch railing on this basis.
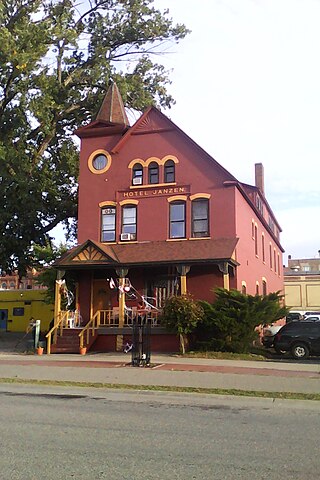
(102, 318)
(110, 318)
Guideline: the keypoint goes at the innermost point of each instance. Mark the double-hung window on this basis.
(178, 219)
(108, 224)
(129, 222)
(137, 174)
(200, 218)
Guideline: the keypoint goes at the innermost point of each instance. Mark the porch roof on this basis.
(95, 254)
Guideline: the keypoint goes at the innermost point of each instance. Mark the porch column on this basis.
(57, 296)
(183, 270)
(122, 273)
(224, 268)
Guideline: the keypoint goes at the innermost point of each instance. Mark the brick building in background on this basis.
(159, 216)
(12, 281)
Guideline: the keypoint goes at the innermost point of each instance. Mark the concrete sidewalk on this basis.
(283, 375)
(166, 370)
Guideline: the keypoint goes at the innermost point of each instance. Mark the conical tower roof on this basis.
(112, 109)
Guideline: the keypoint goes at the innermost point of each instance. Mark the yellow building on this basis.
(19, 307)
(302, 284)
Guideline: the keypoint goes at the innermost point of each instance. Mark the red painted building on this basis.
(158, 216)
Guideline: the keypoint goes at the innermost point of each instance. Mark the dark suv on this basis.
(300, 338)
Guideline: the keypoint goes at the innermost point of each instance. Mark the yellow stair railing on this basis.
(90, 327)
(61, 323)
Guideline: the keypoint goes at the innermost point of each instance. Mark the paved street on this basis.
(64, 433)
(95, 433)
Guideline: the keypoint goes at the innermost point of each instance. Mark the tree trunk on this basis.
(182, 347)
(183, 343)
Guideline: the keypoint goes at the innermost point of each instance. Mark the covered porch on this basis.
(113, 293)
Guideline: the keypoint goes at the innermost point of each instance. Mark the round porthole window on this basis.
(99, 161)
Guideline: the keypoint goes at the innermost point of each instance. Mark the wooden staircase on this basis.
(68, 342)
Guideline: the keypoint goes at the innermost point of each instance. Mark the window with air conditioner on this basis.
(137, 174)
(137, 181)
(129, 223)
(127, 236)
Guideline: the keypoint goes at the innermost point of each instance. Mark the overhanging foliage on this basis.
(56, 60)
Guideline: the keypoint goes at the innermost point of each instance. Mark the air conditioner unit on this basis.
(137, 181)
(127, 236)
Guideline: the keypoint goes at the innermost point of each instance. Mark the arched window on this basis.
(264, 287)
(137, 174)
(178, 219)
(200, 218)
(153, 172)
(129, 222)
(169, 171)
(4, 285)
(256, 240)
(244, 288)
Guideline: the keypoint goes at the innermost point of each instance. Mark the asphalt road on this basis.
(66, 433)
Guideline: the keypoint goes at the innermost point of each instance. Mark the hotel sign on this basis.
(154, 192)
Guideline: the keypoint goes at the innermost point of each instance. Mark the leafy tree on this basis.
(43, 259)
(229, 323)
(181, 315)
(56, 60)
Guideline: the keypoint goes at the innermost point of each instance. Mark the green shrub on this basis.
(229, 323)
(181, 315)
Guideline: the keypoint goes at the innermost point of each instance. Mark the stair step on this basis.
(68, 340)
(56, 349)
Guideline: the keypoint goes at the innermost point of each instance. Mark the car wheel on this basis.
(300, 351)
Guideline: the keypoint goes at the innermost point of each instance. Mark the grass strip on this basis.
(257, 354)
(169, 388)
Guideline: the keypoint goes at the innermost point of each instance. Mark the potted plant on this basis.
(83, 350)
(39, 350)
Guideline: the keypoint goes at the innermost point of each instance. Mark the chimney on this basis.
(259, 177)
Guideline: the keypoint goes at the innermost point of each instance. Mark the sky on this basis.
(247, 87)
(246, 82)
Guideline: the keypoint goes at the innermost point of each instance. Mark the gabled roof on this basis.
(203, 251)
(89, 253)
(154, 121)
